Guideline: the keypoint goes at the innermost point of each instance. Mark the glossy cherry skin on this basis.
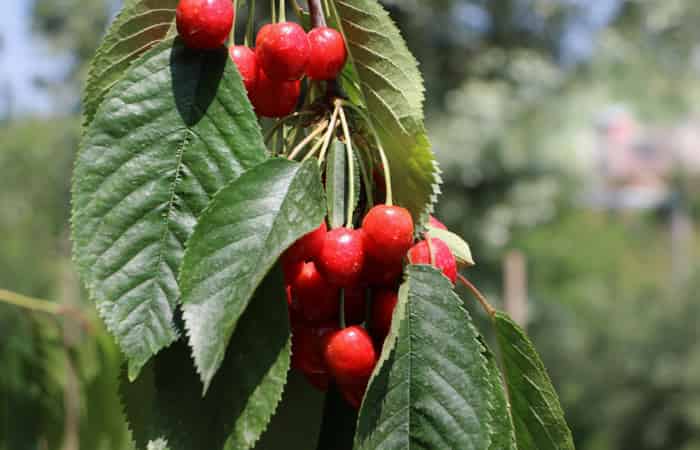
(350, 355)
(355, 305)
(383, 304)
(388, 233)
(204, 24)
(283, 51)
(327, 54)
(342, 257)
(433, 222)
(308, 247)
(247, 64)
(381, 274)
(274, 99)
(308, 343)
(444, 259)
(318, 300)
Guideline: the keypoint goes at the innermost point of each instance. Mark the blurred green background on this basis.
(569, 136)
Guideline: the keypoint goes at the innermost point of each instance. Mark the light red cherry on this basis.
(274, 98)
(307, 247)
(283, 51)
(383, 304)
(342, 257)
(388, 233)
(436, 223)
(204, 24)
(444, 259)
(247, 64)
(327, 54)
(317, 299)
(350, 355)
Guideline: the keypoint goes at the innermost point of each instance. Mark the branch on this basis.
(318, 19)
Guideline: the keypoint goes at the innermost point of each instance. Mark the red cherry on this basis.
(383, 304)
(283, 51)
(379, 274)
(354, 393)
(355, 305)
(307, 247)
(436, 223)
(444, 259)
(247, 64)
(342, 256)
(318, 300)
(350, 355)
(388, 233)
(274, 99)
(204, 24)
(327, 54)
(308, 345)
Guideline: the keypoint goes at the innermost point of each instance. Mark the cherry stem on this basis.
(273, 10)
(250, 26)
(283, 11)
(342, 309)
(297, 10)
(318, 19)
(318, 130)
(279, 123)
(329, 133)
(490, 310)
(232, 35)
(351, 166)
(43, 306)
(382, 155)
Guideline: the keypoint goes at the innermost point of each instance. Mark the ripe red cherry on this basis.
(383, 304)
(342, 257)
(355, 305)
(307, 247)
(204, 24)
(283, 51)
(247, 64)
(327, 54)
(388, 233)
(317, 299)
(444, 259)
(350, 355)
(308, 343)
(354, 393)
(436, 223)
(381, 274)
(274, 99)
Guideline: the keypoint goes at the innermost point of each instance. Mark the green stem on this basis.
(318, 130)
(298, 11)
(490, 310)
(273, 11)
(351, 169)
(382, 155)
(250, 26)
(232, 35)
(329, 133)
(283, 11)
(313, 150)
(43, 306)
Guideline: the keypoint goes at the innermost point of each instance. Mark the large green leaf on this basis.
(170, 134)
(393, 90)
(140, 25)
(537, 416)
(165, 401)
(237, 240)
(431, 388)
(503, 433)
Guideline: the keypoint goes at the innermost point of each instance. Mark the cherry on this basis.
(383, 304)
(388, 233)
(327, 54)
(204, 24)
(274, 99)
(307, 247)
(436, 223)
(247, 64)
(354, 392)
(308, 343)
(318, 300)
(283, 51)
(380, 274)
(350, 355)
(355, 305)
(342, 256)
(444, 259)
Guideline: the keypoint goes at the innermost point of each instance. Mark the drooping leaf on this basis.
(237, 240)
(431, 388)
(338, 423)
(336, 179)
(502, 433)
(170, 134)
(140, 25)
(165, 401)
(537, 415)
(459, 248)
(392, 88)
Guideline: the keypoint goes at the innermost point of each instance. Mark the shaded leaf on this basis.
(238, 238)
(420, 397)
(338, 424)
(459, 248)
(502, 434)
(170, 134)
(537, 415)
(165, 402)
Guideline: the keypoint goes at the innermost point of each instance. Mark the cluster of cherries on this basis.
(283, 53)
(361, 265)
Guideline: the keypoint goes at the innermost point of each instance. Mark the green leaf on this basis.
(338, 423)
(336, 179)
(458, 247)
(171, 133)
(537, 415)
(165, 401)
(237, 240)
(140, 25)
(503, 433)
(431, 386)
(393, 95)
